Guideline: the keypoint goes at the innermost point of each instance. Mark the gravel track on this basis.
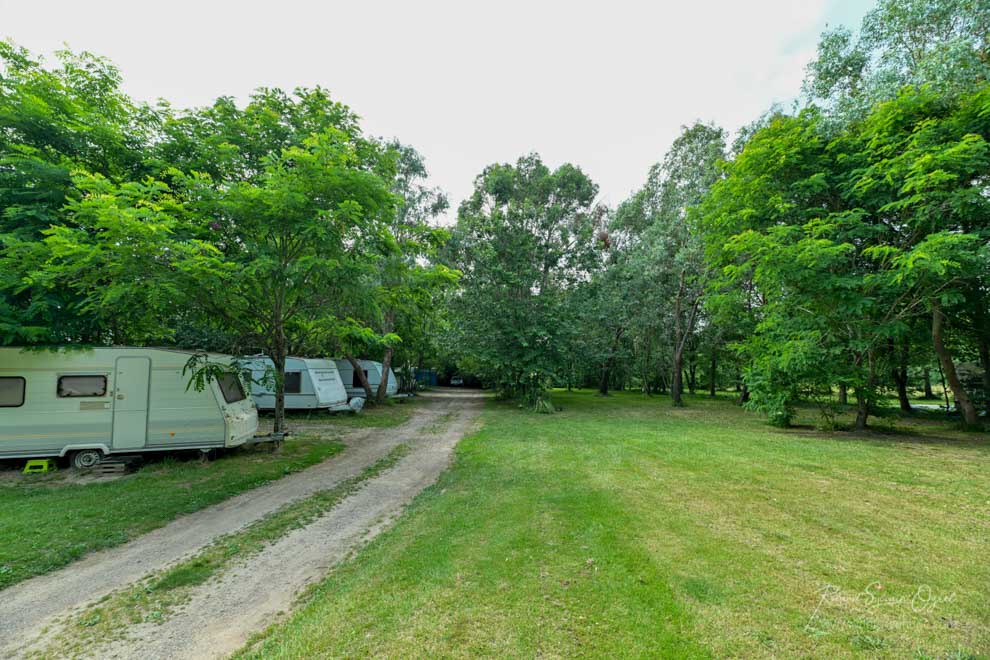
(223, 613)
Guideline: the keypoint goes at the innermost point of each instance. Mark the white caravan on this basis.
(310, 384)
(372, 371)
(89, 403)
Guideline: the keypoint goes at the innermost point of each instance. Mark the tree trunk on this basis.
(862, 409)
(945, 388)
(382, 393)
(898, 371)
(677, 382)
(692, 375)
(902, 395)
(843, 395)
(743, 394)
(362, 378)
(929, 395)
(682, 330)
(610, 362)
(648, 378)
(863, 395)
(603, 383)
(713, 372)
(984, 349)
(949, 368)
(279, 350)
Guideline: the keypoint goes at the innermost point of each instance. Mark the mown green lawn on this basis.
(623, 527)
(48, 521)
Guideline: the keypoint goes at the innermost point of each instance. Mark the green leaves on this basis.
(941, 43)
(524, 240)
(123, 251)
(60, 124)
(847, 241)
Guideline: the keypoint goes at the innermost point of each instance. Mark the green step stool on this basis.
(40, 465)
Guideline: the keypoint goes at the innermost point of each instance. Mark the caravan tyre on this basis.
(87, 458)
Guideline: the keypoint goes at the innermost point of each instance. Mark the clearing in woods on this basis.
(624, 527)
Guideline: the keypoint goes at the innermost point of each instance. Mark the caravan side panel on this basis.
(180, 417)
(45, 423)
(374, 371)
(62, 412)
(306, 398)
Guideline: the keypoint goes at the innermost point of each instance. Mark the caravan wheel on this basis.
(87, 458)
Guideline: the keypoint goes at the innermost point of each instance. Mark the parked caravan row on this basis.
(101, 401)
(310, 384)
(91, 403)
(372, 371)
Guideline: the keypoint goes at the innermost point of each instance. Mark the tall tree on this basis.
(850, 240)
(294, 199)
(921, 171)
(524, 238)
(60, 123)
(409, 278)
(287, 236)
(670, 247)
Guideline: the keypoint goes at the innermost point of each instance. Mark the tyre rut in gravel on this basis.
(222, 614)
(33, 605)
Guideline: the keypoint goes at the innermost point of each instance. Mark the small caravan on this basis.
(89, 403)
(373, 372)
(309, 384)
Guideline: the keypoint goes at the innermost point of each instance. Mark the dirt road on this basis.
(221, 614)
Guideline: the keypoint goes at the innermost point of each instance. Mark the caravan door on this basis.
(131, 388)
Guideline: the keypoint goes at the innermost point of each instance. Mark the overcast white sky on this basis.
(605, 85)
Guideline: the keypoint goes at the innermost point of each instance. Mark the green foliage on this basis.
(62, 126)
(841, 246)
(524, 240)
(941, 43)
(276, 227)
(844, 241)
(669, 251)
(239, 229)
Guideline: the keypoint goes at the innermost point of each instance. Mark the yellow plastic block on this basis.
(39, 465)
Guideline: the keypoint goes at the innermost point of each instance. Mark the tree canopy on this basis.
(835, 253)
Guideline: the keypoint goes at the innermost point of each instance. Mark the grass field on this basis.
(622, 527)
(51, 520)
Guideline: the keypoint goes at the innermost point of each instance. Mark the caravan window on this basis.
(11, 392)
(357, 379)
(231, 388)
(73, 386)
(293, 382)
